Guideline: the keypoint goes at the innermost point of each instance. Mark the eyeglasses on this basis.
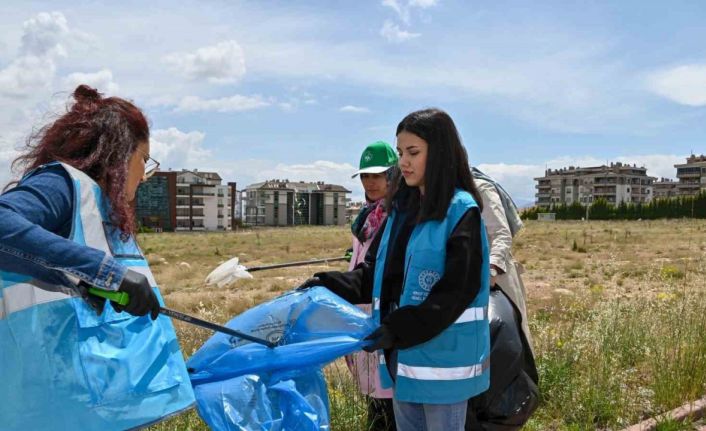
(151, 165)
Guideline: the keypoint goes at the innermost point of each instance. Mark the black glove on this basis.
(382, 338)
(313, 281)
(349, 254)
(142, 297)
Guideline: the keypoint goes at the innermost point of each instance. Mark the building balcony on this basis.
(688, 174)
(689, 186)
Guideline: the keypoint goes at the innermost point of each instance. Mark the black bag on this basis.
(513, 394)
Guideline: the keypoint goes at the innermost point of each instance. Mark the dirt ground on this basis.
(604, 259)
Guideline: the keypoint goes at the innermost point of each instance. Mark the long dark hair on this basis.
(446, 169)
(97, 136)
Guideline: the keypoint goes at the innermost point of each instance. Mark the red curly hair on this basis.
(97, 136)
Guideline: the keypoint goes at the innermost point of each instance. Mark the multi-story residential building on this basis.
(155, 204)
(187, 200)
(615, 183)
(283, 203)
(353, 209)
(202, 202)
(664, 188)
(692, 176)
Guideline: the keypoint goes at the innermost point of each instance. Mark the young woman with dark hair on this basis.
(429, 280)
(70, 360)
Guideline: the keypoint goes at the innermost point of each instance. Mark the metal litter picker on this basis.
(123, 299)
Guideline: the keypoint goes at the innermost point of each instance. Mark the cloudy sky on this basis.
(296, 90)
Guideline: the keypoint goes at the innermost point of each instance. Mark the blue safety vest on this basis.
(62, 366)
(453, 366)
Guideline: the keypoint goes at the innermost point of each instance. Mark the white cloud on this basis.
(403, 8)
(26, 80)
(32, 71)
(101, 80)
(354, 109)
(26, 76)
(6, 158)
(685, 84)
(319, 169)
(235, 103)
(221, 63)
(658, 165)
(517, 179)
(393, 33)
(45, 34)
(176, 149)
(423, 4)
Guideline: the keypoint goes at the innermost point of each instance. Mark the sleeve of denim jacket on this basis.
(33, 214)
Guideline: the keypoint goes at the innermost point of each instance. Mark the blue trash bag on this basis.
(244, 386)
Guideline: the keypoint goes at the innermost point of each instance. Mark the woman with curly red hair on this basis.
(70, 360)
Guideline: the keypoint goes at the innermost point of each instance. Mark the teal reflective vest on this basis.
(453, 366)
(62, 366)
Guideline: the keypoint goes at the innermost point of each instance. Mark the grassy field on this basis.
(617, 311)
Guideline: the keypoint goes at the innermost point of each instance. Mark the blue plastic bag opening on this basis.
(244, 386)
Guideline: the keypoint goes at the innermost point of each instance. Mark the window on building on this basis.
(335, 206)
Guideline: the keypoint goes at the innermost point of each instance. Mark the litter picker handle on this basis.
(290, 264)
(122, 298)
(214, 327)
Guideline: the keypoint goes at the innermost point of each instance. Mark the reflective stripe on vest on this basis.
(88, 229)
(21, 296)
(473, 314)
(436, 373)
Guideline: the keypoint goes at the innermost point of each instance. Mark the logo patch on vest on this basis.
(428, 278)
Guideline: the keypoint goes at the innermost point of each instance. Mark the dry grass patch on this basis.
(619, 330)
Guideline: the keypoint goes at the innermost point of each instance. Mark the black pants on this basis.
(381, 416)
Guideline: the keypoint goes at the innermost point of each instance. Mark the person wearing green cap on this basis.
(378, 165)
(377, 169)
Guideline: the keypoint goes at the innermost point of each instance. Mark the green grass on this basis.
(629, 342)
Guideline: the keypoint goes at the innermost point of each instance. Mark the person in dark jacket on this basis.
(428, 280)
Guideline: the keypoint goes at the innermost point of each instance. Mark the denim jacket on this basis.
(35, 223)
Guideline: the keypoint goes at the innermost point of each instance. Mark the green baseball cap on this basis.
(377, 158)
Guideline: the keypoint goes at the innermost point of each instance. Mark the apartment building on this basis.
(155, 202)
(615, 183)
(285, 203)
(187, 200)
(202, 202)
(664, 188)
(691, 175)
